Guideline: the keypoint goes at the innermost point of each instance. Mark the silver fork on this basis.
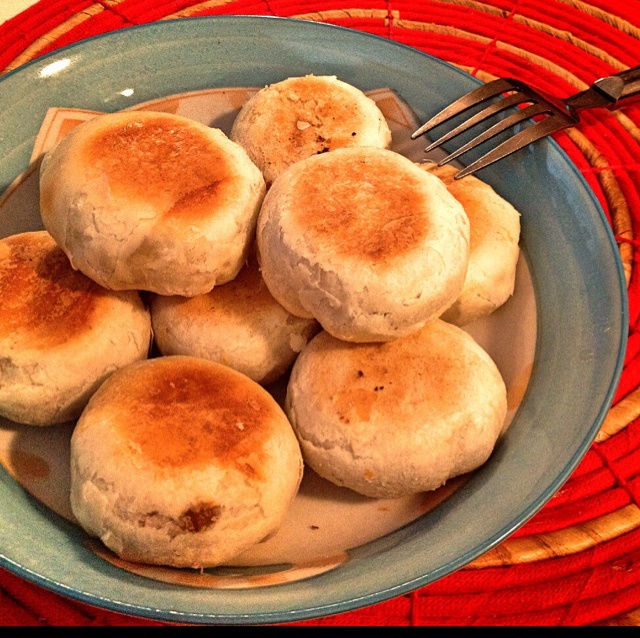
(552, 114)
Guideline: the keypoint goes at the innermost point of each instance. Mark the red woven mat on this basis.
(577, 562)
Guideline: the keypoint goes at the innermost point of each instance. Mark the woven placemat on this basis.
(577, 562)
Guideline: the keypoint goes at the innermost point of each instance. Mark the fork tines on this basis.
(477, 96)
(515, 94)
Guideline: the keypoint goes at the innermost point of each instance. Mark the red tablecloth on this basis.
(577, 562)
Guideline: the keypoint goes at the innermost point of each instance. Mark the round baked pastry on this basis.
(494, 247)
(61, 334)
(391, 419)
(151, 201)
(364, 241)
(196, 463)
(238, 324)
(302, 116)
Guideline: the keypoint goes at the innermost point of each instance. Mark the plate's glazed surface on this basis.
(579, 313)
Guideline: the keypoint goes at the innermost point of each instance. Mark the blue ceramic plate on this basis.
(580, 316)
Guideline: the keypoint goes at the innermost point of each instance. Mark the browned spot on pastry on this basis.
(199, 518)
(173, 166)
(353, 208)
(368, 380)
(356, 401)
(44, 299)
(188, 413)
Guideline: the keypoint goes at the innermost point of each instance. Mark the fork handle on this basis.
(619, 86)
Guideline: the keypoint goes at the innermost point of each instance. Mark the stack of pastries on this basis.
(181, 271)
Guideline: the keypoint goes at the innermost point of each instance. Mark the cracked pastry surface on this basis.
(302, 116)
(196, 463)
(61, 334)
(364, 241)
(395, 418)
(151, 201)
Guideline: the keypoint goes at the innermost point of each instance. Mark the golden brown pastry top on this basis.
(377, 380)
(166, 162)
(45, 302)
(362, 206)
(183, 412)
